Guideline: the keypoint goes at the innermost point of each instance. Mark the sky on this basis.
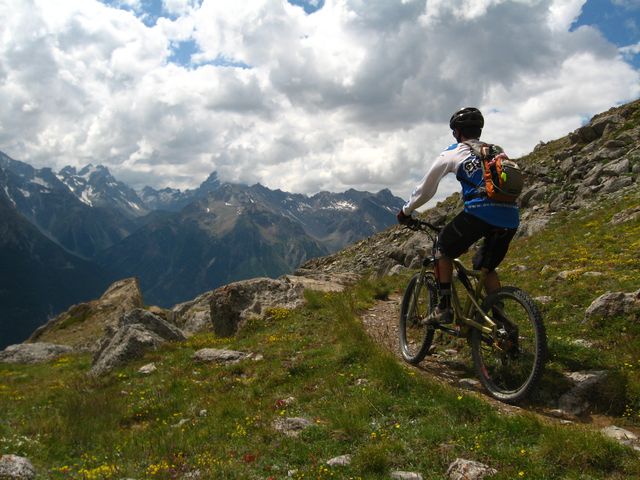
(301, 95)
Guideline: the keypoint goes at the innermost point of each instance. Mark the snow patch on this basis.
(343, 205)
(41, 181)
(86, 196)
(6, 190)
(25, 193)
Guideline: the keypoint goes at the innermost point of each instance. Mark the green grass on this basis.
(218, 419)
(586, 241)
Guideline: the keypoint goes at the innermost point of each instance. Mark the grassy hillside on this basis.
(601, 256)
(317, 364)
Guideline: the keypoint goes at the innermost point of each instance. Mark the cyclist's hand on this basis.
(404, 219)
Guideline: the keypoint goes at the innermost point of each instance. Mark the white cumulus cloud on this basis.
(355, 95)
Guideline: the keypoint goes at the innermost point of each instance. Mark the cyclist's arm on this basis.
(428, 186)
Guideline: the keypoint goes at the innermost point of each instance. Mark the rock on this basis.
(138, 331)
(153, 323)
(617, 167)
(400, 475)
(532, 226)
(586, 134)
(215, 355)
(628, 215)
(625, 437)
(544, 299)
(568, 274)
(127, 344)
(577, 400)
(291, 426)
(598, 125)
(90, 320)
(547, 269)
(616, 183)
(340, 461)
(397, 270)
(15, 467)
(194, 316)
(233, 304)
(148, 369)
(613, 303)
(462, 469)
(33, 352)
(580, 342)
(592, 274)
(469, 384)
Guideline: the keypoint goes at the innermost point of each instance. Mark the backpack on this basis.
(503, 179)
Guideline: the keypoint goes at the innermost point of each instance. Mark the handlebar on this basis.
(422, 226)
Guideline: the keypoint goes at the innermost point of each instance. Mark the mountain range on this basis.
(177, 243)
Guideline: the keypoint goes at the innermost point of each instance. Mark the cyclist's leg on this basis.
(454, 240)
(491, 253)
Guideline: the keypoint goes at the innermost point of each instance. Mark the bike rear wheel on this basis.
(510, 365)
(419, 300)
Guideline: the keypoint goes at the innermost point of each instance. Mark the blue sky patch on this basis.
(618, 20)
(181, 52)
(309, 6)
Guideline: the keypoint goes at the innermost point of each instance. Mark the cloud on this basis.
(351, 94)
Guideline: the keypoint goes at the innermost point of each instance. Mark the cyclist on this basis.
(496, 222)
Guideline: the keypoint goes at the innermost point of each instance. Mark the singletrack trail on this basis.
(454, 366)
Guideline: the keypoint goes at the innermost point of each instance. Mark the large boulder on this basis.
(13, 467)
(82, 324)
(33, 352)
(195, 315)
(613, 304)
(137, 332)
(233, 304)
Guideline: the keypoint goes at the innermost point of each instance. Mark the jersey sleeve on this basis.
(426, 189)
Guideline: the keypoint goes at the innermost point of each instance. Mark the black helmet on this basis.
(467, 117)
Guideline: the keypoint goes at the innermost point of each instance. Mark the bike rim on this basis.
(509, 364)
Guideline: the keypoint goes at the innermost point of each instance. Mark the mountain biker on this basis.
(496, 222)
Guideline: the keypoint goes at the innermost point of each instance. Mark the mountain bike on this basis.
(505, 328)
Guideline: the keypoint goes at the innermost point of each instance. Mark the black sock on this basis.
(445, 296)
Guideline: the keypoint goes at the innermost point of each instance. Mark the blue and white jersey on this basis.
(460, 160)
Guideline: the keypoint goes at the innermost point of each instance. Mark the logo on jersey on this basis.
(471, 165)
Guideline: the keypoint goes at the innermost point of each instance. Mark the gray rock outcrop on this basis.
(233, 304)
(291, 426)
(622, 436)
(138, 331)
(33, 352)
(218, 355)
(462, 469)
(612, 304)
(400, 475)
(578, 399)
(15, 467)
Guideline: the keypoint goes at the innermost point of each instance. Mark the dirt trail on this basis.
(455, 367)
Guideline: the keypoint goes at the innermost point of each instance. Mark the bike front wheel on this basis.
(419, 300)
(509, 364)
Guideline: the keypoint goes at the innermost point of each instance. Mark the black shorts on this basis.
(465, 230)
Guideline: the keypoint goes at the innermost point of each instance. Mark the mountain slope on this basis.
(96, 187)
(43, 199)
(216, 240)
(38, 278)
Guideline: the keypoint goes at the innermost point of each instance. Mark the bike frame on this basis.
(473, 286)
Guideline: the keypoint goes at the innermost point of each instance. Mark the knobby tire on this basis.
(512, 366)
(419, 300)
